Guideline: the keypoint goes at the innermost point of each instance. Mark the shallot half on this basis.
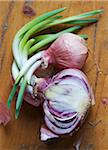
(67, 99)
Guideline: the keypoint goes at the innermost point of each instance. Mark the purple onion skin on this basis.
(68, 51)
(65, 110)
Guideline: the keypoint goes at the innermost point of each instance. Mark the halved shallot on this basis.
(67, 99)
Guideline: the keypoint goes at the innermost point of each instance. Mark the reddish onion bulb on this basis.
(68, 51)
(67, 99)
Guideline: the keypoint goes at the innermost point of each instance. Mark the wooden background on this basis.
(23, 134)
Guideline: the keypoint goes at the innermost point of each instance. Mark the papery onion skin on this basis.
(68, 51)
(47, 134)
(5, 116)
(67, 99)
(31, 100)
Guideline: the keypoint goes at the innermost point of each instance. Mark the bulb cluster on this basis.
(66, 96)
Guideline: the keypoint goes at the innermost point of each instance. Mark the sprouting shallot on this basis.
(68, 51)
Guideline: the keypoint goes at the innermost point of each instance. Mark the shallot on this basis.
(68, 51)
(67, 99)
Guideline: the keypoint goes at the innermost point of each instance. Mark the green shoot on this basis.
(13, 91)
(20, 97)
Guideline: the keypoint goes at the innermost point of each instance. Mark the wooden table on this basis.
(23, 134)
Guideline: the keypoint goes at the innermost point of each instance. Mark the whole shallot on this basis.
(68, 51)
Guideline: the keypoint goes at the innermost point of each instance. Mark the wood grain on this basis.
(23, 134)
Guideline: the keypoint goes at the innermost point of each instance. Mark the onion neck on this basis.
(48, 57)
